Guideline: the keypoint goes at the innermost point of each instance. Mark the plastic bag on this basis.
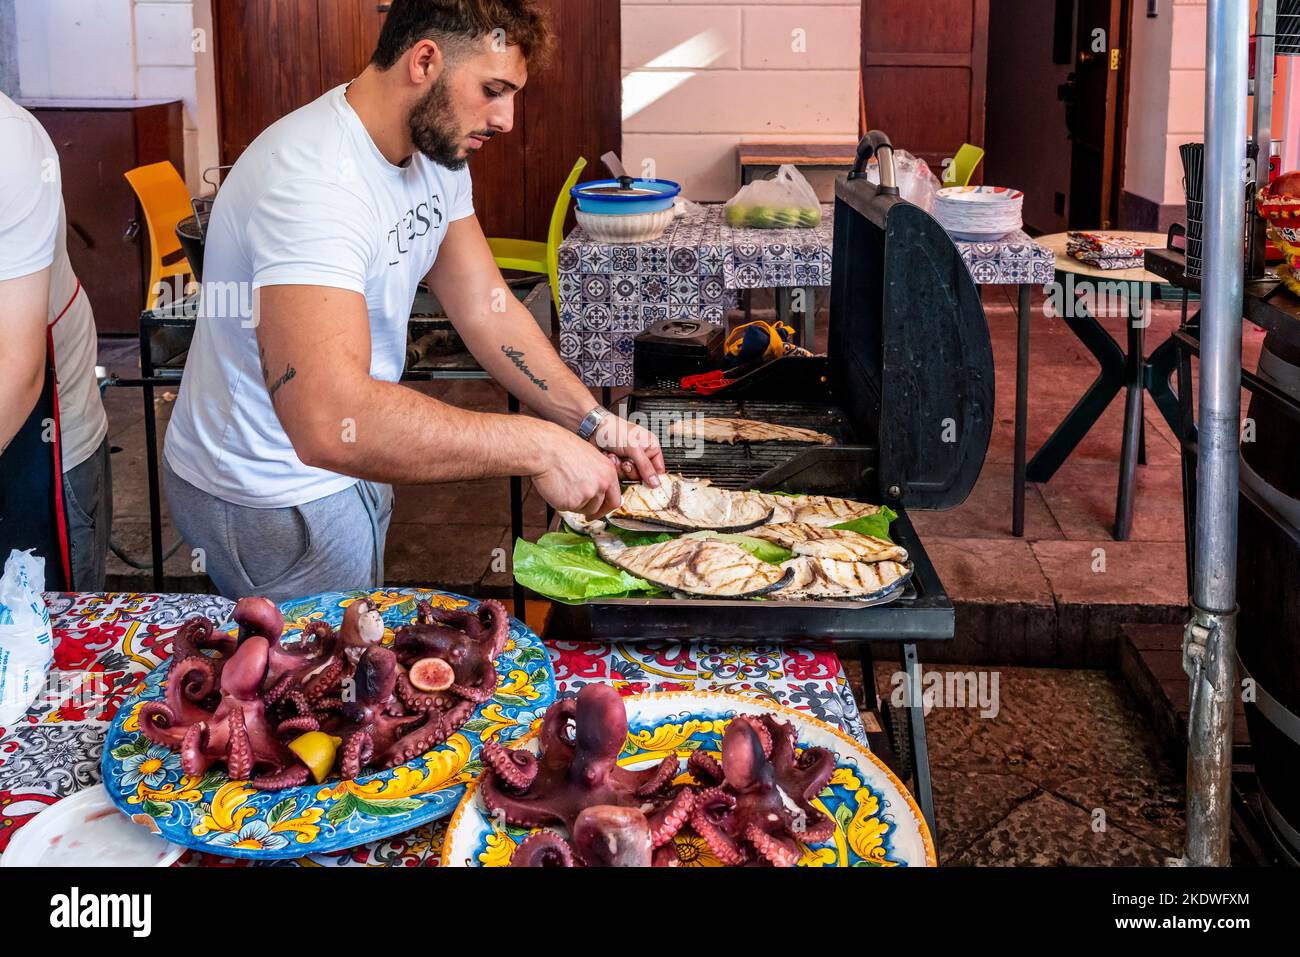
(916, 182)
(26, 642)
(784, 202)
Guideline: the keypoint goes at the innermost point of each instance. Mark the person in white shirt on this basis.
(42, 304)
(290, 423)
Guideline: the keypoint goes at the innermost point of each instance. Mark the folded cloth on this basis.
(1101, 262)
(1106, 246)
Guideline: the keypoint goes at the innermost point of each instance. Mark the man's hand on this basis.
(637, 449)
(577, 477)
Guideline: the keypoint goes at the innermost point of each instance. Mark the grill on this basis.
(906, 391)
(743, 465)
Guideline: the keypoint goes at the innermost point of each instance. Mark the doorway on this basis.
(1057, 99)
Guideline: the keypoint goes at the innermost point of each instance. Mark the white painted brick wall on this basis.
(702, 76)
(130, 49)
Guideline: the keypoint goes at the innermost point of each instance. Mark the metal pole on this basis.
(1209, 644)
(1265, 44)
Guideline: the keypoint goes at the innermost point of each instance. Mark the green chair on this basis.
(962, 167)
(525, 255)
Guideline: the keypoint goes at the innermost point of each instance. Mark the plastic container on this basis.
(625, 196)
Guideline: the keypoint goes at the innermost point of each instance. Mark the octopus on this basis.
(756, 803)
(245, 703)
(615, 816)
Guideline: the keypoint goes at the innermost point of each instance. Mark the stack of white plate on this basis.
(979, 213)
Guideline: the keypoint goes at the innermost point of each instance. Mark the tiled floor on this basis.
(1067, 772)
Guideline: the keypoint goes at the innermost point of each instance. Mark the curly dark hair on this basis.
(456, 24)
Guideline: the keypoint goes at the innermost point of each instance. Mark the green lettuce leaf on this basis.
(876, 525)
(566, 568)
(768, 552)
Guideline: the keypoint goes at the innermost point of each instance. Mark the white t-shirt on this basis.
(312, 201)
(33, 235)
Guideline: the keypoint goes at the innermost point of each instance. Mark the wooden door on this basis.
(923, 73)
(1095, 112)
(277, 55)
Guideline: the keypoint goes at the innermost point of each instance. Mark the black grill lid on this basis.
(909, 348)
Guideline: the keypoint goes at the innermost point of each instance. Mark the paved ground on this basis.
(1067, 772)
(1046, 767)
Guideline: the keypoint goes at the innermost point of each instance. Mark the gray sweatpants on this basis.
(335, 543)
(88, 501)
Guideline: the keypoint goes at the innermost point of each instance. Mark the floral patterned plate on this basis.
(215, 814)
(877, 822)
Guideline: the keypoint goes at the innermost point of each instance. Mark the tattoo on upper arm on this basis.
(272, 387)
(517, 357)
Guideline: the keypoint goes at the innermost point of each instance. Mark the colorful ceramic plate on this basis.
(215, 814)
(877, 822)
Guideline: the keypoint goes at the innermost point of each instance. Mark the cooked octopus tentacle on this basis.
(290, 777)
(771, 848)
(514, 766)
(662, 778)
(666, 822)
(705, 768)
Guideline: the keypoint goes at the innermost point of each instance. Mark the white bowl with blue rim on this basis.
(625, 210)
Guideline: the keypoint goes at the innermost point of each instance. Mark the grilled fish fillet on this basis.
(732, 431)
(580, 523)
(827, 578)
(814, 509)
(838, 544)
(695, 566)
(693, 506)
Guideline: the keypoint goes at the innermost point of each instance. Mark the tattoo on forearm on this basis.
(517, 357)
(273, 387)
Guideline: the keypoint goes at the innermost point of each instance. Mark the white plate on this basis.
(992, 237)
(86, 830)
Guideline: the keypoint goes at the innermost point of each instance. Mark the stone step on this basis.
(1151, 661)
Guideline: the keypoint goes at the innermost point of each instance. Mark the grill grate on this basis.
(1287, 39)
(736, 466)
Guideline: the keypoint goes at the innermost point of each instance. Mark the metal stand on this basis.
(1022, 408)
(1210, 645)
(911, 752)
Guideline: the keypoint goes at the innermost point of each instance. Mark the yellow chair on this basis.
(962, 167)
(166, 201)
(525, 255)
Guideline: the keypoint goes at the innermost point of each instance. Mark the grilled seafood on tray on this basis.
(792, 548)
(731, 431)
(684, 505)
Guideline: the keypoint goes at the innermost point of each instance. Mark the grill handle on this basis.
(876, 143)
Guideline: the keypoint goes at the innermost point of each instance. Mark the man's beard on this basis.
(434, 130)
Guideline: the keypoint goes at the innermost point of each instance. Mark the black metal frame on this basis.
(1130, 371)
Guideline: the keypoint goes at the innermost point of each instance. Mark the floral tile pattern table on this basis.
(106, 643)
(610, 292)
(1015, 259)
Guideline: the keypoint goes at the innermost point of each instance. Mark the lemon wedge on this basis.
(317, 750)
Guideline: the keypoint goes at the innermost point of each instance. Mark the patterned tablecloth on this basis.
(1013, 260)
(610, 292)
(105, 644)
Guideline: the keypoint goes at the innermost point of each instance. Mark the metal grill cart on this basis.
(906, 391)
(165, 335)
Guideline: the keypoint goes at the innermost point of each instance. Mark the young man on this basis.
(290, 423)
(41, 302)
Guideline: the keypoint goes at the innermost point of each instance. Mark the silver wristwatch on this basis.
(591, 422)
